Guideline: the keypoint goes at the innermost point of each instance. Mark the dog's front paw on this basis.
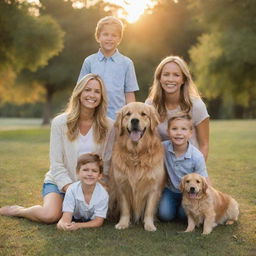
(149, 227)
(230, 222)
(121, 225)
(188, 230)
(207, 232)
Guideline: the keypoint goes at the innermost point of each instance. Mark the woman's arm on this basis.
(97, 222)
(57, 166)
(202, 133)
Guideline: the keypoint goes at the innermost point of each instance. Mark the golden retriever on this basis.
(137, 174)
(205, 205)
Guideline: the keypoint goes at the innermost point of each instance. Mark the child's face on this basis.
(109, 38)
(91, 95)
(89, 173)
(180, 132)
(171, 78)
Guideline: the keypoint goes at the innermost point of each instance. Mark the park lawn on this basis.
(231, 166)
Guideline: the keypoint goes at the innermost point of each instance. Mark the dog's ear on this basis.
(154, 118)
(118, 123)
(182, 185)
(205, 185)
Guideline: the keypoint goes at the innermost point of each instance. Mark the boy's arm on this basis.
(97, 222)
(86, 69)
(130, 84)
(65, 221)
(129, 97)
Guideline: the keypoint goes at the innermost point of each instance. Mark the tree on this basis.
(224, 59)
(168, 30)
(27, 41)
(62, 70)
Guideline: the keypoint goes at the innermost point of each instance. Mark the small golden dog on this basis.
(205, 205)
(137, 174)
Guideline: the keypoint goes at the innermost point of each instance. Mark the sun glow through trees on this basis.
(132, 9)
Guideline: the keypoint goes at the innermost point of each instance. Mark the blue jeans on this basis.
(170, 206)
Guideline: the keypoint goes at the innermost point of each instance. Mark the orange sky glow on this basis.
(130, 10)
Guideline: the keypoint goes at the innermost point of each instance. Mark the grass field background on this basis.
(24, 161)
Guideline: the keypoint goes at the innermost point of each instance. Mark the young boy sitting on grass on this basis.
(181, 158)
(86, 201)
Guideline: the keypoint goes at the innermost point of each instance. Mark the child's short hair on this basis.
(180, 115)
(109, 20)
(89, 158)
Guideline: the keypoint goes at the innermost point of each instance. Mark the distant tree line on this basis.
(41, 56)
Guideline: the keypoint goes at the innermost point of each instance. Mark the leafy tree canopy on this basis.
(224, 59)
(27, 41)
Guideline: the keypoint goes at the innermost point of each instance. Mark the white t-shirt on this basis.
(198, 113)
(74, 202)
(85, 142)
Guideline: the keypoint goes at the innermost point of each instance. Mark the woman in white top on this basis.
(173, 90)
(82, 128)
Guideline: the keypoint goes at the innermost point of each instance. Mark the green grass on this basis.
(231, 165)
(21, 123)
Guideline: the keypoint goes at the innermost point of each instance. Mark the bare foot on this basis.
(13, 210)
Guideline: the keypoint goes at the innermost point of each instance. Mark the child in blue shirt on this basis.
(116, 70)
(181, 158)
(85, 203)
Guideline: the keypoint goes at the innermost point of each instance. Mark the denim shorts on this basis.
(51, 188)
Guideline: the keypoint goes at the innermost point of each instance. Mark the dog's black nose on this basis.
(192, 190)
(135, 122)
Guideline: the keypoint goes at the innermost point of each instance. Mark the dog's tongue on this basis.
(192, 195)
(135, 135)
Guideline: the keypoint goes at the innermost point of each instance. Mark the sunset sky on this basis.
(132, 9)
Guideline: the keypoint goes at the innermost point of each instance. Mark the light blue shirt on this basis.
(118, 74)
(177, 167)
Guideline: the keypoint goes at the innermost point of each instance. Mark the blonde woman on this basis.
(82, 128)
(173, 90)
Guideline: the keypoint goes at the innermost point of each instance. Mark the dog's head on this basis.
(193, 185)
(135, 118)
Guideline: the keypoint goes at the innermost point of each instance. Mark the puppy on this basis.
(205, 205)
(137, 174)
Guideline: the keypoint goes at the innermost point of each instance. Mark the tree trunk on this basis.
(47, 113)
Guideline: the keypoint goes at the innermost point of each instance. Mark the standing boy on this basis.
(116, 70)
(85, 203)
(181, 158)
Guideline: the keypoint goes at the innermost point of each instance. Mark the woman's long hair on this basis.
(188, 89)
(100, 127)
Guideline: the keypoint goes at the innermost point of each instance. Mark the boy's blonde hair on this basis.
(100, 127)
(109, 20)
(89, 158)
(188, 89)
(181, 116)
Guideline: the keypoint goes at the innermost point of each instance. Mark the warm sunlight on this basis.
(132, 9)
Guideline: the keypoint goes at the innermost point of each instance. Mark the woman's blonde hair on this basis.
(109, 20)
(73, 110)
(188, 89)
